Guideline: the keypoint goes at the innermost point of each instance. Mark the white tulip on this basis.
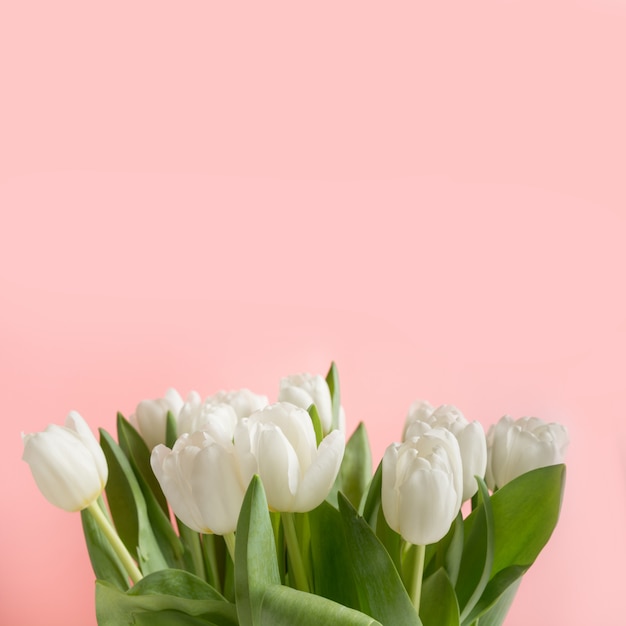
(202, 481)
(303, 390)
(470, 437)
(67, 463)
(278, 443)
(422, 486)
(519, 446)
(219, 420)
(243, 401)
(150, 416)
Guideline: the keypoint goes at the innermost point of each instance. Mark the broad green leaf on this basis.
(317, 424)
(478, 551)
(379, 587)
(137, 453)
(105, 563)
(332, 380)
(526, 511)
(332, 572)
(128, 508)
(255, 554)
(495, 589)
(284, 606)
(166, 590)
(438, 606)
(356, 468)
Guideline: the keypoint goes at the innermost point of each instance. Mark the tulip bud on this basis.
(278, 443)
(422, 486)
(303, 390)
(150, 416)
(470, 437)
(201, 480)
(519, 446)
(67, 463)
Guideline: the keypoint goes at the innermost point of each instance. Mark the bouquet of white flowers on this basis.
(231, 510)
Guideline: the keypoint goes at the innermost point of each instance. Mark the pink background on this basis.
(432, 194)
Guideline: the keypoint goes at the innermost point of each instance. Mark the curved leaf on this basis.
(255, 554)
(284, 606)
(438, 606)
(128, 508)
(380, 590)
(166, 590)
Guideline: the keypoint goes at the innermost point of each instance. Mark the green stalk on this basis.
(116, 543)
(416, 586)
(295, 557)
(210, 561)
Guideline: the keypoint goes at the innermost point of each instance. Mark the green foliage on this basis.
(128, 508)
(171, 593)
(105, 563)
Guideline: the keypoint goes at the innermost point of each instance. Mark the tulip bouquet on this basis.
(231, 510)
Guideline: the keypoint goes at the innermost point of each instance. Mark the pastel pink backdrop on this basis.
(431, 194)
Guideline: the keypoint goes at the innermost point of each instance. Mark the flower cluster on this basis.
(200, 459)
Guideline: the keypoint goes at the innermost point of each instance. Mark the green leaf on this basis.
(128, 508)
(166, 590)
(438, 606)
(496, 614)
(526, 511)
(332, 572)
(105, 563)
(137, 453)
(495, 589)
(255, 554)
(317, 424)
(332, 380)
(356, 468)
(371, 502)
(390, 539)
(379, 587)
(284, 606)
(478, 552)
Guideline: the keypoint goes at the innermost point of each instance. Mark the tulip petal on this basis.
(278, 467)
(319, 478)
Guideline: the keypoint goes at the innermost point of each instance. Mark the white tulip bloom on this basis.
(303, 390)
(243, 401)
(67, 463)
(422, 486)
(202, 481)
(278, 443)
(150, 416)
(470, 437)
(219, 420)
(519, 446)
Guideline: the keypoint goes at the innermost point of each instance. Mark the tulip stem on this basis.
(229, 538)
(116, 543)
(416, 586)
(297, 573)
